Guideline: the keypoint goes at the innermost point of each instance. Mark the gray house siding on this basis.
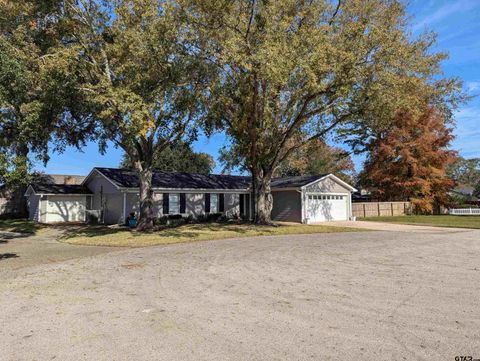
(287, 206)
(33, 207)
(195, 204)
(132, 204)
(327, 186)
(232, 204)
(42, 216)
(105, 192)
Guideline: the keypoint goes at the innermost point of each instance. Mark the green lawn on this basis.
(121, 237)
(20, 225)
(439, 221)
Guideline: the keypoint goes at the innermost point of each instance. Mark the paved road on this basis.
(356, 296)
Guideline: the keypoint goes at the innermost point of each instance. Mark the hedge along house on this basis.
(113, 194)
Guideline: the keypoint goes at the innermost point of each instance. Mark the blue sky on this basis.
(457, 23)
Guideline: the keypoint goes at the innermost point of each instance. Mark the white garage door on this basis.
(65, 209)
(327, 207)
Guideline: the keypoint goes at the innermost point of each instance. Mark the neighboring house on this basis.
(13, 202)
(113, 193)
(63, 179)
(465, 192)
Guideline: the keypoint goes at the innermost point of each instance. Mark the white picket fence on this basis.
(464, 211)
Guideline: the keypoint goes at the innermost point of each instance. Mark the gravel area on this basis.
(362, 296)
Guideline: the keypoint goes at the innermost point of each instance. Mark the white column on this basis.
(124, 207)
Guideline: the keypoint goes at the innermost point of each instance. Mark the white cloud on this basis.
(472, 86)
(467, 132)
(445, 11)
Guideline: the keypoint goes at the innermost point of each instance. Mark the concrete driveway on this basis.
(361, 296)
(396, 227)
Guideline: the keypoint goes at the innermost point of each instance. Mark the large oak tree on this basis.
(141, 84)
(32, 94)
(294, 69)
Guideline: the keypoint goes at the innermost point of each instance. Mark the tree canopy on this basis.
(140, 85)
(465, 171)
(274, 75)
(317, 157)
(179, 157)
(302, 70)
(409, 161)
(33, 97)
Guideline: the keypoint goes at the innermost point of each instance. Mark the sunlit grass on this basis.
(20, 226)
(121, 237)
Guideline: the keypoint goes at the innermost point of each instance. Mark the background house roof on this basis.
(125, 178)
(44, 188)
(64, 178)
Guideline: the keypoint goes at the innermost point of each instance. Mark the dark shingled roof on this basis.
(295, 182)
(125, 178)
(128, 179)
(45, 188)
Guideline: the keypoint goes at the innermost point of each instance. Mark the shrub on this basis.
(465, 205)
(202, 218)
(161, 221)
(213, 217)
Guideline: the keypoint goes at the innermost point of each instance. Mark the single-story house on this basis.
(113, 194)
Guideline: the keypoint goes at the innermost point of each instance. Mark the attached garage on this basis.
(311, 199)
(327, 207)
(56, 203)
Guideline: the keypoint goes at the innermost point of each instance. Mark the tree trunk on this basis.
(263, 198)
(145, 222)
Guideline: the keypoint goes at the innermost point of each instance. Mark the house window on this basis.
(173, 203)
(213, 203)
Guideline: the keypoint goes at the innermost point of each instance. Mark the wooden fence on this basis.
(376, 209)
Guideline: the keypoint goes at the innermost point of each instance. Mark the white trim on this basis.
(289, 189)
(124, 207)
(335, 178)
(103, 175)
(329, 193)
(350, 208)
(188, 190)
(54, 194)
(28, 188)
(65, 194)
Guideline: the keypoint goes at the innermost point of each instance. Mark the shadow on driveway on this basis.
(19, 250)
